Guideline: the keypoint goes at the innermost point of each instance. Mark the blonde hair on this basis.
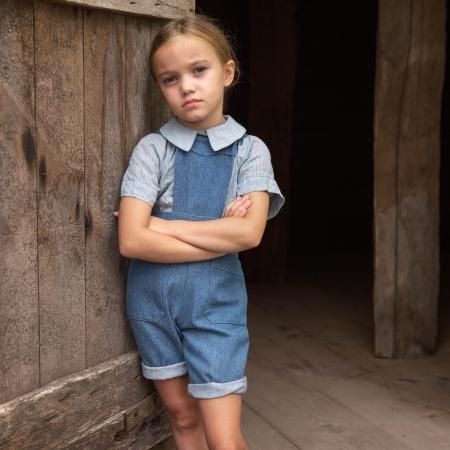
(203, 27)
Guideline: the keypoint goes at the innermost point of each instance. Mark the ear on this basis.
(228, 70)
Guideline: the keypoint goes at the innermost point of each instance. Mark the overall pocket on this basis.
(227, 296)
(144, 296)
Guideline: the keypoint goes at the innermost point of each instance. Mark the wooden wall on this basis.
(408, 93)
(76, 95)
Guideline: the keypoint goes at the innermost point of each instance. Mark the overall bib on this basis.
(192, 317)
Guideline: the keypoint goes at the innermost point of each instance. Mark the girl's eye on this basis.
(199, 69)
(169, 80)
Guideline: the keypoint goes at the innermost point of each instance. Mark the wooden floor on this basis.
(314, 384)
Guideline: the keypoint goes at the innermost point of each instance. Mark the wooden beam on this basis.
(168, 9)
(409, 81)
(104, 406)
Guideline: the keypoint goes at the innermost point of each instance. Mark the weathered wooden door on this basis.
(75, 95)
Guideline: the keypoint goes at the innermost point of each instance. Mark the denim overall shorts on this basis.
(192, 317)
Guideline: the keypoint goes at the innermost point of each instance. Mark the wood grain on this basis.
(82, 407)
(145, 108)
(307, 341)
(168, 9)
(260, 434)
(60, 136)
(409, 80)
(107, 331)
(19, 321)
(308, 417)
(63, 153)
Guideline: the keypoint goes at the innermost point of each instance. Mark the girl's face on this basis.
(192, 80)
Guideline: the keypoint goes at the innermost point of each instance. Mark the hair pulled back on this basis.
(202, 27)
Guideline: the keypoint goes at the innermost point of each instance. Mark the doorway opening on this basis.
(331, 221)
(330, 199)
(331, 194)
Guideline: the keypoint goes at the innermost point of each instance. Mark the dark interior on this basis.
(331, 195)
(330, 199)
(332, 218)
(234, 16)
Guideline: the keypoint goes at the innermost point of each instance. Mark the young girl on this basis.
(186, 298)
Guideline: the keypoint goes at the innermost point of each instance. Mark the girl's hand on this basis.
(238, 207)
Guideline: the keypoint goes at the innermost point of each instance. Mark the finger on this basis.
(240, 200)
(231, 208)
(233, 202)
(242, 209)
(240, 212)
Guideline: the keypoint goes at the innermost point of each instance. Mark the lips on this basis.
(190, 102)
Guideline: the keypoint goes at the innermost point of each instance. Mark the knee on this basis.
(184, 418)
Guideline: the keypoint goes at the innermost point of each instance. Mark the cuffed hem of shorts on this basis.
(164, 372)
(213, 390)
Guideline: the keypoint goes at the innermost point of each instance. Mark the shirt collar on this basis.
(220, 136)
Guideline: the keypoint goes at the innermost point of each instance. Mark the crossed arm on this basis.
(142, 236)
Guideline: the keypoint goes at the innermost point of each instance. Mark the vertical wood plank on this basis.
(272, 120)
(409, 80)
(19, 332)
(59, 124)
(388, 89)
(145, 108)
(159, 112)
(107, 333)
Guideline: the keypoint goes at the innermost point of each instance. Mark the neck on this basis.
(203, 126)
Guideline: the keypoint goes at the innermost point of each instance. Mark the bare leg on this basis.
(184, 413)
(222, 422)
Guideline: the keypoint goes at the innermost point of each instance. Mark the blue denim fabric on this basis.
(192, 317)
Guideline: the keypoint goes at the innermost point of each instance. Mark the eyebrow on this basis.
(200, 61)
(193, 63)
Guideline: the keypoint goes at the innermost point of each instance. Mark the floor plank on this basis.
(307, 417)
(314, 382)
(261, 434)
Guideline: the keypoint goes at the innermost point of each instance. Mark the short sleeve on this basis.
(141, 179)
(256, 174)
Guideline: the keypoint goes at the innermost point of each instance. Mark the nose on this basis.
(187, 85)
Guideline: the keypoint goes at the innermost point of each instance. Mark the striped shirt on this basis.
(150, 173)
